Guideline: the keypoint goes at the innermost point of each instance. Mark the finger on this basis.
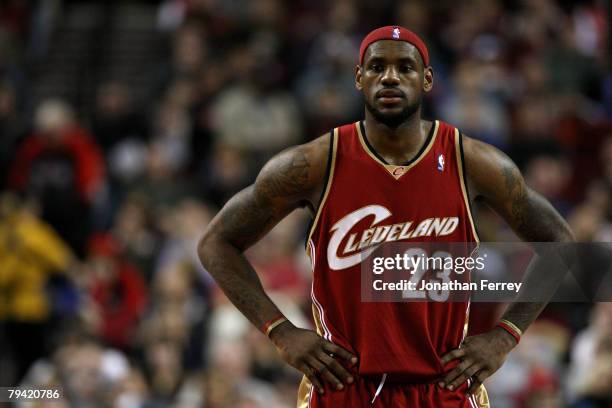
(325, 373)
(469, 372)
(336, 368)
(477, 379)
(310, 373)
(456, 372)
(453, 355)
(337, 350)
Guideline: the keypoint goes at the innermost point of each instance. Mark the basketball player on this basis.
(390, 169)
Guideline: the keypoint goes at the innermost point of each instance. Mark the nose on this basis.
(390, 76)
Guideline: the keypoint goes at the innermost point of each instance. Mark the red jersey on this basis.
(367, 201)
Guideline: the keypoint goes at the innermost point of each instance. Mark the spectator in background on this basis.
(122, 134)
(179, 313)
(254, 114)
(189, 51)
(591, 361)
(115, 119)
(61, 166)
(12, 129)
(473, 106)
(163, 184)
(164, 371)
(212, 80)
(172, 132)
(30, 252)
(118, 291)
(230, 361)
(277, 257)
(227, 172)
(327, 86)
(88, 374)
(181, 229)
(137, 233)
(549, 175)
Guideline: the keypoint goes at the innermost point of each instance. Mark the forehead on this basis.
(391, 49)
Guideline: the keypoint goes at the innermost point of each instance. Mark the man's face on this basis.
(393, 80)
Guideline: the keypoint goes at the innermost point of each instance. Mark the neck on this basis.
(400, 144)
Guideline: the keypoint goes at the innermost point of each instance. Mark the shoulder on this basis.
(483, 153)
(488, 169)
(296, 171)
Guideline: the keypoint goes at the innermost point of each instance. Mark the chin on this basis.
(391, 120)
(391, 111)
(392, 116)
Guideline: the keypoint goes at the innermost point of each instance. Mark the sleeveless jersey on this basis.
(362, 193)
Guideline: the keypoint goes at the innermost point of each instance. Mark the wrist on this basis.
(271, 324)
(507, 339)
(510, 332)
(278, 332)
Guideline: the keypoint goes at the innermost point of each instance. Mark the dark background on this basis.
(124, 127)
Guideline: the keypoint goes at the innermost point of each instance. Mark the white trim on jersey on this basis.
(326, 332)
(472, 397)
(312, 391)
(313, 255)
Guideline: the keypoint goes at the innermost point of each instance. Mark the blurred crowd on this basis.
(101, 292)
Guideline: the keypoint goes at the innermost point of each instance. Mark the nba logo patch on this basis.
(396, 33)
(441, 162)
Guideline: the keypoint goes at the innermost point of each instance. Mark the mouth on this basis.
(390, 96)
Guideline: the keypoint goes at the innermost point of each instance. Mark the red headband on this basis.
(394, 33)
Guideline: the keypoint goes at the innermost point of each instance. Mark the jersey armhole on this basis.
(464, 183)
(329, 173)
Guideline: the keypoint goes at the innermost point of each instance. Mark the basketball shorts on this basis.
(377, 393)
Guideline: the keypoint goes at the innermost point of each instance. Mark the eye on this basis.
(376, 67)
(406, 68)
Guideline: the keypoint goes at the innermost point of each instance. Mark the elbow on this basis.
(567, 235)
(204, 248)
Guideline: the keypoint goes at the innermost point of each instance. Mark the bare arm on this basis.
(495, 179)
(292, 179)
(288, 181)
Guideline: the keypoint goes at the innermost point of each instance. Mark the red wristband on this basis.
(511, 328)
(271, 324)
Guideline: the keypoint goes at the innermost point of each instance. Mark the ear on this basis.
(427, 79)
(358, 78)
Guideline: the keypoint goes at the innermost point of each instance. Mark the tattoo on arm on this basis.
(289, 178)
(240, 283)
(535, 220)
(280, 188)
(530, 214)
(244, 219)
(499, 182)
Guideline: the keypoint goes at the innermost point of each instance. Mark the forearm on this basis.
(524, 313)
(535, 291)
(543, 276)
(287, 181)
(237, 279)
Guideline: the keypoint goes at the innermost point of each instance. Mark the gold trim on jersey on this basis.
(303, 398)
(463, 185)
(328, 184)
(317, 320)
(466, 325)
(398, 171)
(481, 397)
(305, 385)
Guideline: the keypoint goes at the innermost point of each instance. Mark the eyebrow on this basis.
(379, 58)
